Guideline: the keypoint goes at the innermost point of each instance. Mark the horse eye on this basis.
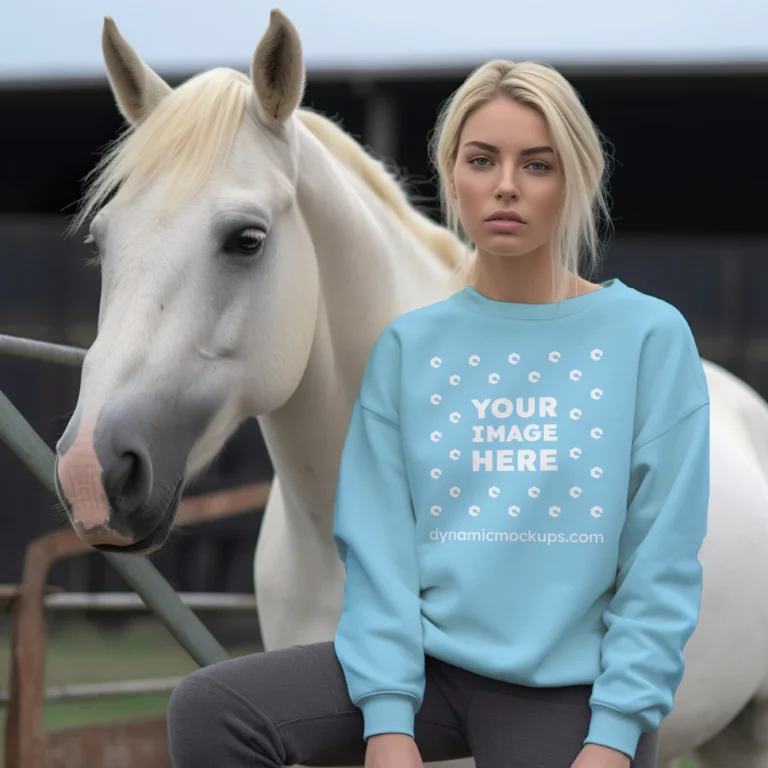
(89, 239)
(247, 242)
(94, 260)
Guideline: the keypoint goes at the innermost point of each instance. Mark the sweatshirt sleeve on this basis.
(655, 607)
(378, 640)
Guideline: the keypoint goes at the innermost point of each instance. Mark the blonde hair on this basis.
(577, 142)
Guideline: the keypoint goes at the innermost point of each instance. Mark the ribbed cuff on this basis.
(388, 713)
(614, 729)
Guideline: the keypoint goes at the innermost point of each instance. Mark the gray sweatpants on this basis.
(291, 706)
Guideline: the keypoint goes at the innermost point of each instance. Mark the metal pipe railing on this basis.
(138, 572)
(89, 691)
(41, 350)
(127, 601)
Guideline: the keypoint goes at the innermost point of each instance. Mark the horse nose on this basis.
(127, 477)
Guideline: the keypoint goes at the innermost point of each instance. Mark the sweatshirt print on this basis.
(523, 493)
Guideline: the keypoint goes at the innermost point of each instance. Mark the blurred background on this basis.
(680, 89)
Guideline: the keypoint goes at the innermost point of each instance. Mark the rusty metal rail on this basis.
(127, 601)
(28, 745)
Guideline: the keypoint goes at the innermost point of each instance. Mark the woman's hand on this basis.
(393, 750)
(597, 756)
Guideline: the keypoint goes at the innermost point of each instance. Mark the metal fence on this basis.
(138, 572)
(120, 744)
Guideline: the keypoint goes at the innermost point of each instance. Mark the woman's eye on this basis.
(475, 161)
(247, 242)
(541, 166)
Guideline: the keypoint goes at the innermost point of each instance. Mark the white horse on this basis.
(251, 253)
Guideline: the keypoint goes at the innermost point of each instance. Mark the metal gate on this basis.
(25, 747)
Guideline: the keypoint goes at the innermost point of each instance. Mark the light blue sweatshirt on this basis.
(523, 493)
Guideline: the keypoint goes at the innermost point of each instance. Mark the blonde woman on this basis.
(522, 495)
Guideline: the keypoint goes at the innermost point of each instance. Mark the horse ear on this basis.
(277, 69)
(136, 87)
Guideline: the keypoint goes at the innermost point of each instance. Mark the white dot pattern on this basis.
(573, 372)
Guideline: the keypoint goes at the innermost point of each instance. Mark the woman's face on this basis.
(506, 169)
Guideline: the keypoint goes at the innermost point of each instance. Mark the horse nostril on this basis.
(128, 482)
(131, 473)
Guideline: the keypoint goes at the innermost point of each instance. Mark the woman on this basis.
(522, 495)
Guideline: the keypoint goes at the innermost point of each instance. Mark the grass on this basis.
(101, 711)
(77, 654)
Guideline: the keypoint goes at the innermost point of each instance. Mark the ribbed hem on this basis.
(614, 729)
(388, 713)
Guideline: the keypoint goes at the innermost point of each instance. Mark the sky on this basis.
(45, 39)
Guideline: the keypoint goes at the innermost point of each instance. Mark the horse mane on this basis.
(381, 181)
(186, 133)
(194, 125)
